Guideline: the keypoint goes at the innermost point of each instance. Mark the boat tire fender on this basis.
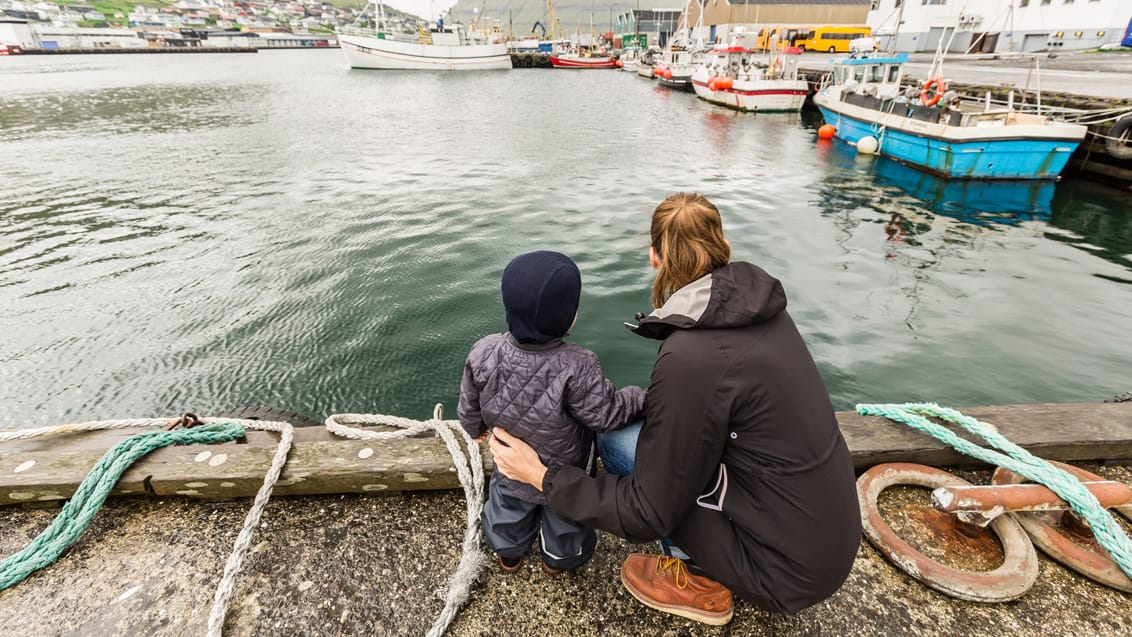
(932, 91)
(1118, 142)
(271, 414)
(1126, 397)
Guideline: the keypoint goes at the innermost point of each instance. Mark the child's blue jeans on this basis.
(618, 451)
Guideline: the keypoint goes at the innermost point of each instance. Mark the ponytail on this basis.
(687, 237)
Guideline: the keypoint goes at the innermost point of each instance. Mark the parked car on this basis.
(864, 45)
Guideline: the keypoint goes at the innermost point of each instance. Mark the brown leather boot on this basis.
(664, 583)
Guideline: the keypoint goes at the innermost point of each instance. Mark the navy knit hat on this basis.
(540, 295)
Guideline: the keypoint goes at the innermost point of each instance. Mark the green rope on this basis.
(77, 514)
(1108, 532)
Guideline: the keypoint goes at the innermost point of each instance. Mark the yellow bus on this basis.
(784, 36)
(833, 39)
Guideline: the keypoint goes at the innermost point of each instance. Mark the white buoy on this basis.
(867, 145)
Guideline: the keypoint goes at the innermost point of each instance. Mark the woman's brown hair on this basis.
(687, 236)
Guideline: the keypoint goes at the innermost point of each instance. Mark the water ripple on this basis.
(175, 236)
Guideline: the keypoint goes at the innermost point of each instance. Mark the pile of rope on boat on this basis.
(77, 513)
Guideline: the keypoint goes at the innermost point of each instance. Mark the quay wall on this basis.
(168, 49)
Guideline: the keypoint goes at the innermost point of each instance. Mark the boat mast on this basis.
(896, 35)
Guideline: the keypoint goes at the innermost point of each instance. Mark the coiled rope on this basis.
(1065, 485)
(115, 461)
(469, 468)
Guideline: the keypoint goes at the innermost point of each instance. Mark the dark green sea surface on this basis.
(202, 232)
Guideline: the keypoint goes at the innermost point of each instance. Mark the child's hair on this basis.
(687, 236)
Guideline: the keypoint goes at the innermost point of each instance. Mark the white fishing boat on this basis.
(443, 47)
(740, 77)
(685, 54)
(646, 61)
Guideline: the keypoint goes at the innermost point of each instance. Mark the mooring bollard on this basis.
(981, 504)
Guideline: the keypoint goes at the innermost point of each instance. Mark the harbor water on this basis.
(211, 231)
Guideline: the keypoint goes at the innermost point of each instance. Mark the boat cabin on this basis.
(874, 76)
(875, 83)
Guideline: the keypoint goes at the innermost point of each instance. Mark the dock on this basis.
(51, 468)
(164, 49)
(354, 564)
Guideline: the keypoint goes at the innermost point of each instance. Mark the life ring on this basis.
(930, 98)
(1118, 141)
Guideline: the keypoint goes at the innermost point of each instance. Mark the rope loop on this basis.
(469, 469)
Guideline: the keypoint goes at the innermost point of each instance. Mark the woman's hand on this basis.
(516, 459)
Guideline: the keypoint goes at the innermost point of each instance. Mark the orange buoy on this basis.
(725, 83)
(711, 84)
(826, 131)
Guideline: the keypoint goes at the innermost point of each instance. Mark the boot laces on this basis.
(680, 572)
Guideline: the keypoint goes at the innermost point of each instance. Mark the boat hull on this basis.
(756, 95)
(563, 62)
(678, 83)
(1001, 152)
(373, 53)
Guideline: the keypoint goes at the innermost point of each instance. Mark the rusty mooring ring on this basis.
(1009, 581)
(1086, 557)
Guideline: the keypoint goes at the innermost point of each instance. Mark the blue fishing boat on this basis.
(933, 129)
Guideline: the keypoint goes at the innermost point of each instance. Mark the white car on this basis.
(864, 45)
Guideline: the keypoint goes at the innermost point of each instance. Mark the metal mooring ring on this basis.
(1009, 581)
(1054, 531)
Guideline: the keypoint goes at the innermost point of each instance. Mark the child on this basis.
(551, 394)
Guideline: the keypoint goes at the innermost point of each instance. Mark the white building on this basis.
(53, 37)
(998, 26)
(13, 31)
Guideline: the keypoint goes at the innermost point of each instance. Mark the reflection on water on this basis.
(977, 202)
(125, 110)
(203, 232)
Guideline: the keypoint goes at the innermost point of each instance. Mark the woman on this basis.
(739, 462)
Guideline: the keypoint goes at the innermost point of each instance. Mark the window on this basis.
(934, 2)
(1023, 3)
(893, 73)
(1045, 2)
(874, 5)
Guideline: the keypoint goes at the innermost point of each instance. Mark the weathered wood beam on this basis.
(46, 469)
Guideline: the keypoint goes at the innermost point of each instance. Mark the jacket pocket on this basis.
(714, 499)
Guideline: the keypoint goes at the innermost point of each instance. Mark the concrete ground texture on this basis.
(379, 565)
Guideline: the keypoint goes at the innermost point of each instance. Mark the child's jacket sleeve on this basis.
(598, 405)
(468, 409)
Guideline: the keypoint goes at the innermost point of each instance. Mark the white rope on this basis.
(235, 559)
(469, 468)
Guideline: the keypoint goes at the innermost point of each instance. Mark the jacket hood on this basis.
(737, 295)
